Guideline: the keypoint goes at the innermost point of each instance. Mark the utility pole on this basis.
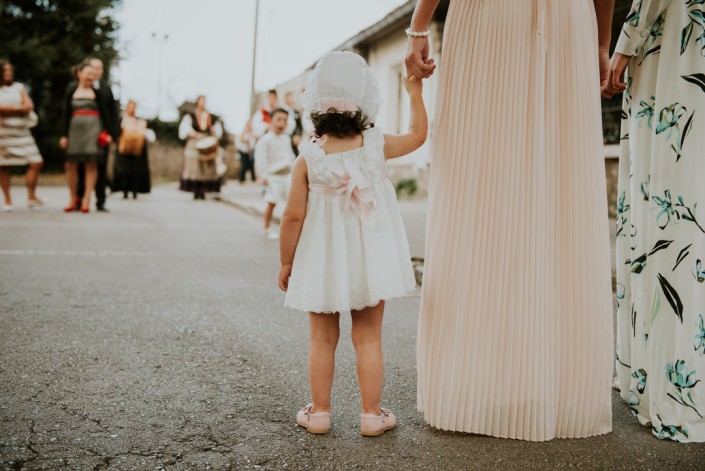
(161, 40)
(253, 101)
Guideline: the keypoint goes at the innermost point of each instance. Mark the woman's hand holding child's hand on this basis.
(284, 274)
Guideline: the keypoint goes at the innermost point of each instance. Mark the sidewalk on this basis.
(248, 198)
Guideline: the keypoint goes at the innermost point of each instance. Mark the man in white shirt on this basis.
(274, 159)
(261, 120)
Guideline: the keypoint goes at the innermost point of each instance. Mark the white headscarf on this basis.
(344, 81)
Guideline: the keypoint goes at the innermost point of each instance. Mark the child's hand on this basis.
(284, 274)
(413, 85)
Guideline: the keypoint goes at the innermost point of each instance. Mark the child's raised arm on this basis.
(397, 145)
(292, 220)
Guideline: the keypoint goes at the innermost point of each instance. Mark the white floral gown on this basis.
(661, 219)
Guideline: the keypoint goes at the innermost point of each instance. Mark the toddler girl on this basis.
(343, 245)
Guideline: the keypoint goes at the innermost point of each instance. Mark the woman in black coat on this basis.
(88, 126)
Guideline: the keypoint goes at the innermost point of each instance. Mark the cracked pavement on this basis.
(154, 337)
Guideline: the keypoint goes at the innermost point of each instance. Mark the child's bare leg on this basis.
(268, 215)
(367, 339)
(325, 332)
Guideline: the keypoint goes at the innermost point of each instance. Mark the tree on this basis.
(43, 39)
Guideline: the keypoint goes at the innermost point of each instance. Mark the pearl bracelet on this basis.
(417, 34)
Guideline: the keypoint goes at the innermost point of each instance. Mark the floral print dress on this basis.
(661, 219)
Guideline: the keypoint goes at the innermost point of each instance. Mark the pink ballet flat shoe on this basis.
(375, 425)
(318, 423)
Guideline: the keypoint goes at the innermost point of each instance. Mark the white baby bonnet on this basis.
(342, 80)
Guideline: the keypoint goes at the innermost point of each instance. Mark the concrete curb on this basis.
(249, 209)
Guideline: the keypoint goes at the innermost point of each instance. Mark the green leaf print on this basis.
(640, 375)
(681, 256)
(667, 211)
(622, 208)
(670, 212)
(638, 264)
(655, 306)
(647, 111)
(660, 245)
(685, 36)
(633, 320)
(686, 131)
(669, 123)
(668, 431)
(644, 189)
(696, 20)
(633, 16)
(634, 401)
(678, 375)
(671, 296)
(697, 79)
(687, 213)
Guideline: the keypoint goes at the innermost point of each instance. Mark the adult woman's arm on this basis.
(604, 10)
(636, 30)
(417, 61)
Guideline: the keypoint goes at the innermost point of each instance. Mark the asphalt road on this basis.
(154, 337)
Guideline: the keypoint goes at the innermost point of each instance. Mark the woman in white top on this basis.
(17, 146)
(199, 174)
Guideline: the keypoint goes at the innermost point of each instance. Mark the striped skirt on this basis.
(17, 146)
(516, 325)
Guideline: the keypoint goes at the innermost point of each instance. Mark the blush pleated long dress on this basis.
(515, 330)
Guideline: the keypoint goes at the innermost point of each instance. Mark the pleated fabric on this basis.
(515, 329)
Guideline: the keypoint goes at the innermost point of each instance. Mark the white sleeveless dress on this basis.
(353, 251)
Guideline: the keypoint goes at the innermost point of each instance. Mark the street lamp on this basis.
(161, 39)
(253, 103)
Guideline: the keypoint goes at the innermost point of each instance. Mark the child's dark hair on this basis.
(345, 124)
(279, 110)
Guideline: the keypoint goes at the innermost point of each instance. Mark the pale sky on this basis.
(210, 42)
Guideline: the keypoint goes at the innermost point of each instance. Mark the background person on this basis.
(102, 88)
(87, 113)
(245, 144)
(274, 159)
(17, 146)
(660, 223)
(262, 117)
(199, 175)
(131, 169)
(297, 133)
(343, 246)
